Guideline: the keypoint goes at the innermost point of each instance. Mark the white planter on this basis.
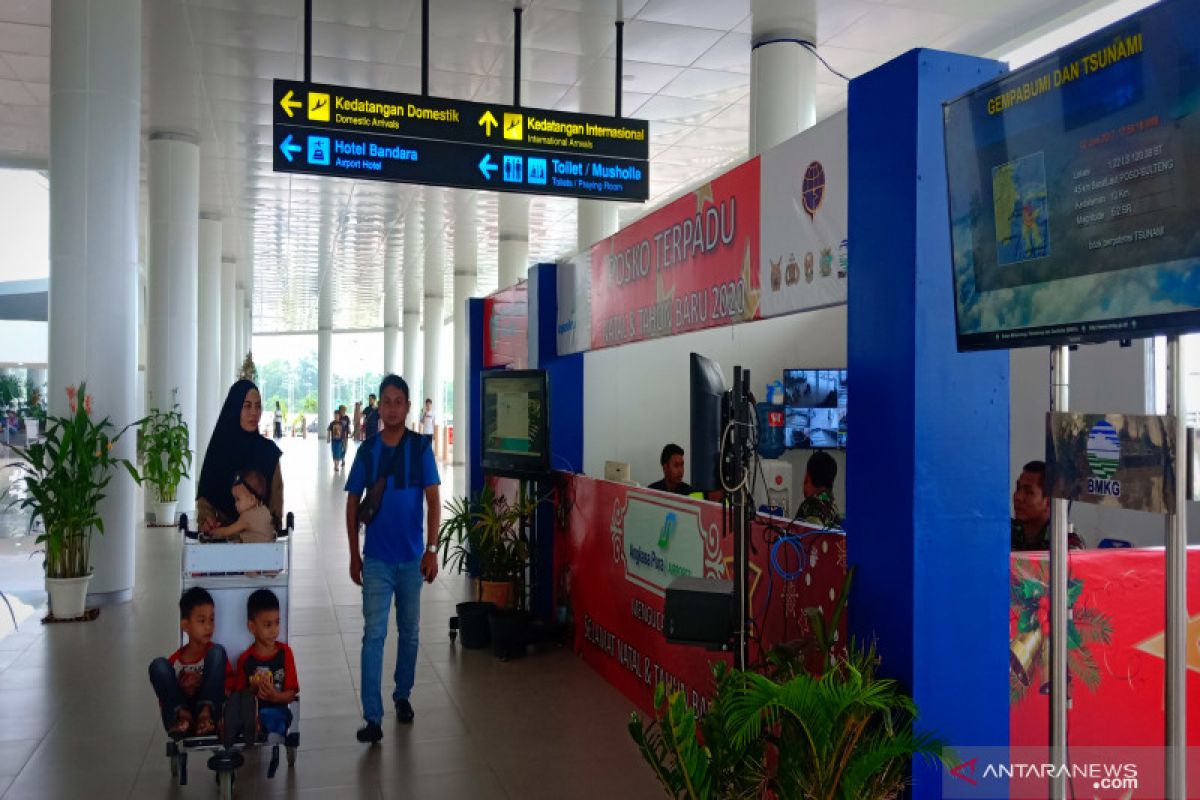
(31, 428)
(164, 513)
(67, 596)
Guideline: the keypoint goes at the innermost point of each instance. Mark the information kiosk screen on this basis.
(1072, 190)
(516, 433)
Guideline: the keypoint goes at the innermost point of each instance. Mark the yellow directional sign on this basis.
(514, 126)
(288, 103)
(318, 106)
(488, 121)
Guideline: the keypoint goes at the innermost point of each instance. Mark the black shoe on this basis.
(404, 712)
(370, 733)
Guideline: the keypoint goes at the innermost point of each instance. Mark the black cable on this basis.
(807, 45)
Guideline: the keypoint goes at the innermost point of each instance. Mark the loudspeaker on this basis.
(699, 611)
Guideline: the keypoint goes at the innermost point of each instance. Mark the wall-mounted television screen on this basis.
(516, 428)
(1072, 190)
(814, 408)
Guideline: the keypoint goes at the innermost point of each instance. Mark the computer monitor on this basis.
(616, 471)
(516, 431)
(708, 398)
(815, 408)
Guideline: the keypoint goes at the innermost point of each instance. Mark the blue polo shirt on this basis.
(397, 534)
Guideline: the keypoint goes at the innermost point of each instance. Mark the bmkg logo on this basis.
(1104, 456)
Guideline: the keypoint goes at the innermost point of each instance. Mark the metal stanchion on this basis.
(1176, 584)
(1060, 363)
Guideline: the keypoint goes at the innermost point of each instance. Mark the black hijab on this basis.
(232, 450)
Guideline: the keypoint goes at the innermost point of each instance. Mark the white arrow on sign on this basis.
(288, 147)
(487, 167)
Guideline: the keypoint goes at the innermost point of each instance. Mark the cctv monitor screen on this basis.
(814, 408)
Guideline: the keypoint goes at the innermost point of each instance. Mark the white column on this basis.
(595, 220)
(210, 388)
(95, 102)
(391, 306)
(324, 329)
(249, 312)
(173, 258)
(783, 74)
(229, 360)
(466, 268)
(434, 309)
(239, 316)
(514, 239)
(413, 267)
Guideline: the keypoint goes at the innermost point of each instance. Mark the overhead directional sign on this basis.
(337, 130)
(405, 159)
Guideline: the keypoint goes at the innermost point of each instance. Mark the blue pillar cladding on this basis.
(564, 378)
(474, 398)
(927, 466)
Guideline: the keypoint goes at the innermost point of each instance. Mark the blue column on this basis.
(927, 465)
(474, 399)
(564, 377)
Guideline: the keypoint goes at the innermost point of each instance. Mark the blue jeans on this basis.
(275, 719)
(381, 583)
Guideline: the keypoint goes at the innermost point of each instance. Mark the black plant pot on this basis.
(510, 632)
(473, 624)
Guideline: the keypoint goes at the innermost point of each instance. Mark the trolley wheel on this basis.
(225, 785)
(291, 756)
(181, 760)
(274, 765)
(174, 766)
(453, 635)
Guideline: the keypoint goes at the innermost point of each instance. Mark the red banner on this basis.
(506, 327)
(1115, 650)
(691, 264)
(624, 545)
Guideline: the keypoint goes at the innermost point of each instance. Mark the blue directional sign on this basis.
(324, 129)
(405, 159)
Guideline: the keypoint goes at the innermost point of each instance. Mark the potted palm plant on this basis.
(66, 475)
(166, 459)
(482, 535)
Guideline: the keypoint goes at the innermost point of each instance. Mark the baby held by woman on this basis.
(254, 523)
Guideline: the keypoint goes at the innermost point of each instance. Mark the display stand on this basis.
(1176, 582)
(1060, 372)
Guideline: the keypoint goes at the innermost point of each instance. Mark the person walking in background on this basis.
(370, 418)
(337, 445)
(427, 424)
(277, 428)
(358, 418)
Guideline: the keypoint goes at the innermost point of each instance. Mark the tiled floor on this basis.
(77, 718)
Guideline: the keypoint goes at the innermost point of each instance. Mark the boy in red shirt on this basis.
(191, 682)
(267, 668)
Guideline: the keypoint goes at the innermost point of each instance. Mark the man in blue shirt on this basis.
(400, 552)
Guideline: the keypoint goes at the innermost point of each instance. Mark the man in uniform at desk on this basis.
(672, 467)
(1031, 512)
(818, 505)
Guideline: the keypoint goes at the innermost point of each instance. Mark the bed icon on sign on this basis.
(318, 150)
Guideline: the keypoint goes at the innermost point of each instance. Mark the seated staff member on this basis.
(672, 467)
(818, 505)
(1031, 512)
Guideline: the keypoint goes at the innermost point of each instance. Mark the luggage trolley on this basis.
(230, 572)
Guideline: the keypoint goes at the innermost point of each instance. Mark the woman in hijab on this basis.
(237, 447)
